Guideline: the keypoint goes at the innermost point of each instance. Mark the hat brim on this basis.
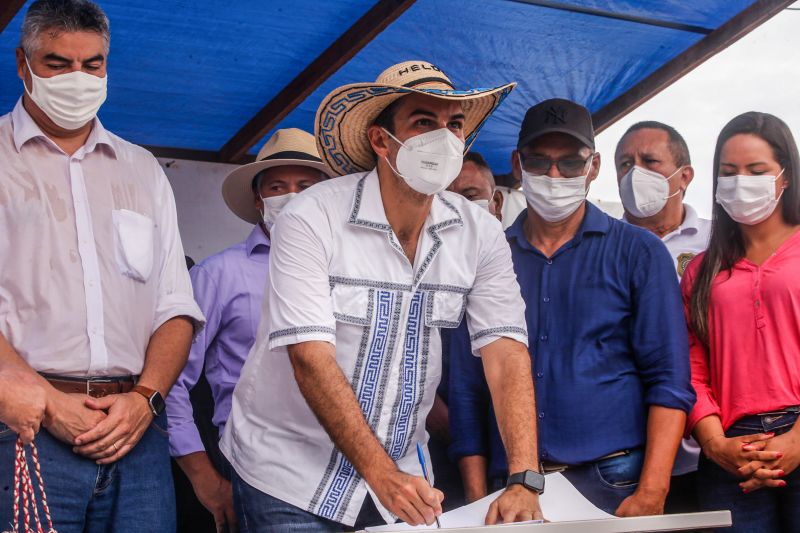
(342, 119)
(237, 188)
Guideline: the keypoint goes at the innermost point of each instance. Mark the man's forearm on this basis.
(664, 431)
(166, 354)
(330, 396)
(473, 475)
(508, 373)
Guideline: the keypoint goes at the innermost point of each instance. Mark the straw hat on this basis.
(286, 147)
(345, 114)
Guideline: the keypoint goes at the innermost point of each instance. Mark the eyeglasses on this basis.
(569, 167)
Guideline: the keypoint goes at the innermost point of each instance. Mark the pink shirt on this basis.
(753, 362)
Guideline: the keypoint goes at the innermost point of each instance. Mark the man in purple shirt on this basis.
(229, 287)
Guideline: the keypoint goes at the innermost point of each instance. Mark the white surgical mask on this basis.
(645, 192)
(429, 162)
(748, 199)
(554, 199)
(69, 100)
(273, 205)
(482, 203)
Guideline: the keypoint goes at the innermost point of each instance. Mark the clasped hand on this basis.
(102, 429)
(761, 459)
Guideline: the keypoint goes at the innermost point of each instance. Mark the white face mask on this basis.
(748, 199)
(429, 162)
(273, 205)
(482, 203)
(554, 199)
(645, 192)
(69, 100)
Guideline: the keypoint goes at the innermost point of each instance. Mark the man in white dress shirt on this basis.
(364, 271)
(95, 299)
(653, 171)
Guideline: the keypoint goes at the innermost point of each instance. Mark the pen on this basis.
(421, 457)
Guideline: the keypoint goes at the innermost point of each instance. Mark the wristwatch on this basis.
(154, 399)
(529, 479)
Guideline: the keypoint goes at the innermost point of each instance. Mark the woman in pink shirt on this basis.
(742, 301)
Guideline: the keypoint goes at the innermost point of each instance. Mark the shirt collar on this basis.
(594, 221)
(367, 210)
(25, 129)
(691, 222)
(256, 240)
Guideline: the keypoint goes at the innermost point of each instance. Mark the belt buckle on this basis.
(89, 382)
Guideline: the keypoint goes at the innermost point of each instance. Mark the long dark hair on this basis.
(726, 246)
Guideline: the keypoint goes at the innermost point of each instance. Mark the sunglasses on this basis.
(569, 167)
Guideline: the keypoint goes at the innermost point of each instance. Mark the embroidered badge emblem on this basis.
(683, 260)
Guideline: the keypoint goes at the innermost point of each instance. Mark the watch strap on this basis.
(144, 391)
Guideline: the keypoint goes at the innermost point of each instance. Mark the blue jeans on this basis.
(259, 512)
(769, 510)
(133, 495)
(607, 482)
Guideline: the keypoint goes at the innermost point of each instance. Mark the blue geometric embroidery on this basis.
(408, 392)
(366, 395)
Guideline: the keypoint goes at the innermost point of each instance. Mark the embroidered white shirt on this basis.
(91, 262)
(338, 274)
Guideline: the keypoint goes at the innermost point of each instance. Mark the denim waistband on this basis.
(782, 419)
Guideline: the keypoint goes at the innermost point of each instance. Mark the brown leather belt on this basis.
(94, 387)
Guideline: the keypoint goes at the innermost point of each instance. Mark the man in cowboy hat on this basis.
(229, 287)
(365, 270)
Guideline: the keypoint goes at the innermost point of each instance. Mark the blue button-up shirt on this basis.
(607, 340)
(228, 287)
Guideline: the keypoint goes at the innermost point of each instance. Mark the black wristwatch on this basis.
(154, 398)
(529, 479)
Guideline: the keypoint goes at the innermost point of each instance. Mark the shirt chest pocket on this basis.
(133, 244)
(444, 309)
(352, 305)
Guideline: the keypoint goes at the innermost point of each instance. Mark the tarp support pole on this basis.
(9, 10)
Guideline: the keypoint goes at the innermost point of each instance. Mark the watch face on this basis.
(157, 403)
(534, 480)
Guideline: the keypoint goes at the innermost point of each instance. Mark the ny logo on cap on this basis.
(555, 115)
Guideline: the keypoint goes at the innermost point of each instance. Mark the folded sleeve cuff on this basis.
(487, 336)
(175, 305)
(671, 398)
(295, 335)
(185, 439)
(703, 408)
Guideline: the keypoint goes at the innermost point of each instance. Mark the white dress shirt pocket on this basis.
(351, 304)
(133, 243)
(445, 309)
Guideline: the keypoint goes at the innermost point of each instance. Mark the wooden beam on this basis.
(372, 23)
(9, 10)
(169, 152)
(718, 40)
(572, 8)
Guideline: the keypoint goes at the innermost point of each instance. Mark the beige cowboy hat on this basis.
(290, 146)
(345, 114)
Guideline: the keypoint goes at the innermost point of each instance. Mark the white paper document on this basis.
(561, 502)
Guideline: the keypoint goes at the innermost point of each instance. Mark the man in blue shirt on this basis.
(606, 330)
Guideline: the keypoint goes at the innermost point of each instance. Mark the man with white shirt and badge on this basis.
(364, 271)
(653, 171)
(95, 300)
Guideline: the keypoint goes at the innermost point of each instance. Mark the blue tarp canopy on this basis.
(187, 76)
